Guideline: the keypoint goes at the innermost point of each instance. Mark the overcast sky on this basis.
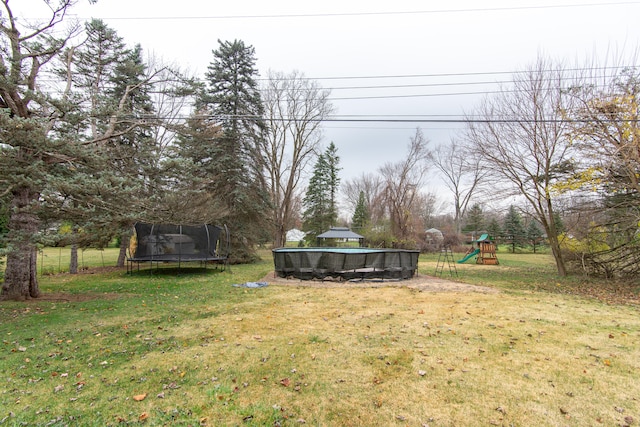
(428, 46)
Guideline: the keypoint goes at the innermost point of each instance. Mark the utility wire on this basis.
(381, 119)
(438, 75)
(364, 14)
(417, 95)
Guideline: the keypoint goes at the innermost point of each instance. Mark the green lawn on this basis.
(188, 348)
(56, 260)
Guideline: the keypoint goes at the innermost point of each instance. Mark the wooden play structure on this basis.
(485, 253)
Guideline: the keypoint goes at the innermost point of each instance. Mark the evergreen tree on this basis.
(133, 151)
(534, 234)
(92, 69)
(42, 160)
(494, 229)
(192, 171)
(514, 229)
(108, 87)
(320, 210)
(361, 214)
(316, 203)
(332, 179)
(475, 220)
(557, 219)
(231, 100)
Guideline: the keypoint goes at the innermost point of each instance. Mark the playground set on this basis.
(485, 253)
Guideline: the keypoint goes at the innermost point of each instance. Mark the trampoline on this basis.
(345, 263)
(167, 243)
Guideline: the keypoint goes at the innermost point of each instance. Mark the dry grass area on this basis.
(194, 350)
(396, 355)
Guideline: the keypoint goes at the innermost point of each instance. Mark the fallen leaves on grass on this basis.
(140, 397)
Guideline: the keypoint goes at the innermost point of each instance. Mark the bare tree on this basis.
(294, 108)
(521, 135)
(402, 186)
(606, 130)
(607, 127)
(428, 207)
(463, 176)
(367, 183)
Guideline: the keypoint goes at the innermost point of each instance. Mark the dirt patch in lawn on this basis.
(422, 283)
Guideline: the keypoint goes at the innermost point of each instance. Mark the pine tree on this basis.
(475, 220)
(361, 214)
(494, 229)
(232, 101)
(108, 88)
(316, 202)
(534, 234)
(514, 229)
(320, 207)
(557, 219)
(193, 171)
(30, 153)
(133, 152)
(332, 179)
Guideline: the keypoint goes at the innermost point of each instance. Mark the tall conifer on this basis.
(320, 204)
(232, 101)
(514, 229)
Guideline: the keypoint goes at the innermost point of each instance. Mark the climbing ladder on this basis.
(446, 258)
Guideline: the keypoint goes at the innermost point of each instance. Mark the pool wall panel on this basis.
(345, 263)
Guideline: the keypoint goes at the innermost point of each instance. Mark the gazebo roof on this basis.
(339, 233)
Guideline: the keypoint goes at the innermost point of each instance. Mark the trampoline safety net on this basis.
(178, 243)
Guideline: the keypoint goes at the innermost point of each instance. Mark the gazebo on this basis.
(340, 235)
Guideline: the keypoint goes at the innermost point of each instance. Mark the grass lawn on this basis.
(191, 349)
(56, 260)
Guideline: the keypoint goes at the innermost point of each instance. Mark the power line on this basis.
(364, 14)
(446, 119)
(595, 74)
(438, 75)
(418, 95)
(417, 85)
(407, 86)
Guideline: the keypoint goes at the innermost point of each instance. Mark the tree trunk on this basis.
(552, 234)
(73, 263)
(280, 237)
(20, 279)
(557, 255)
(125, 238)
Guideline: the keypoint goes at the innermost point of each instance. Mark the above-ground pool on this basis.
(345, 263)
